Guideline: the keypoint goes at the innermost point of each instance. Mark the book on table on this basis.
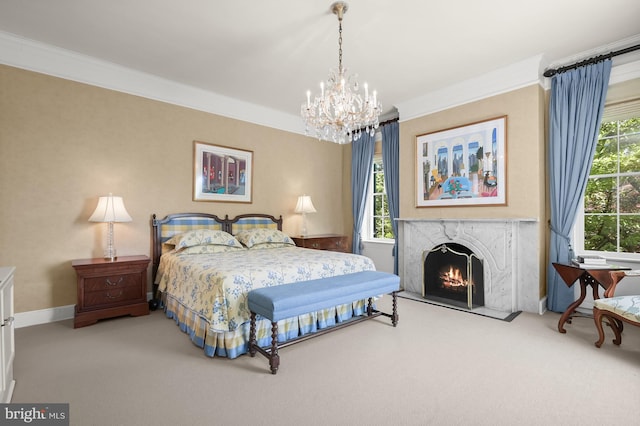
(575, 262)
(592, 259)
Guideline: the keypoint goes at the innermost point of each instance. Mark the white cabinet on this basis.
(7, 343)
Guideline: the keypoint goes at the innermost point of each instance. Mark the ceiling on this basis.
(269, 53)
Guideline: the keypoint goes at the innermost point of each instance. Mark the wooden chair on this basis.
(617, 310)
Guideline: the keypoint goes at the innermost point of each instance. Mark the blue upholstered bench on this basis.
(290, 300)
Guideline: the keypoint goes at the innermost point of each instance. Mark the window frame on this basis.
(578, 232)
(366, 232)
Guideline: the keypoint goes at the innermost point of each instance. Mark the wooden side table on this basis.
(332, 242)
(607, 278)
(109, 289)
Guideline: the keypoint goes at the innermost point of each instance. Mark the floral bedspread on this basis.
(215, 286)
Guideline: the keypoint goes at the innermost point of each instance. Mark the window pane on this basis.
(600, 195)
(388, 230)
(629, 194)
(377, 205)
(378, 183)
(605, 158)
(609, 129)
(377, 227)
(630, 234)
(631, 125)
(630, 153)
(600, 233)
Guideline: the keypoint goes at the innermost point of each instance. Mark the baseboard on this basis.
(44, 316)
(542, 305)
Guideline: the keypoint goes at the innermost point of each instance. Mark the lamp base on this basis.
(110, 251)
(110, 254)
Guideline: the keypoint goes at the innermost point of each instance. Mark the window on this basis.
(610, 220)
(377, 222)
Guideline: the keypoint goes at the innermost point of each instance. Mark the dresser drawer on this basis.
(112, 296)
(111, 282)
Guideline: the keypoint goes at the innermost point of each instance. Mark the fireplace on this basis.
(453, 274)
(508, 251)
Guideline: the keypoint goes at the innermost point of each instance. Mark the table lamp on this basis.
(304, 206)
(110, 209)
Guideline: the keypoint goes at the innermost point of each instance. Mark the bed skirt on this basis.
(231, 344)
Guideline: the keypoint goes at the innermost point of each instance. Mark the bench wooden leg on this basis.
(370, 306)
(274, 358)
(394, 315)
(252, 335)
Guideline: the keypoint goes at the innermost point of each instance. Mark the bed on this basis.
(204, 266)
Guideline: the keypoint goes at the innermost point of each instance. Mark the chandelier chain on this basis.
(340, 45)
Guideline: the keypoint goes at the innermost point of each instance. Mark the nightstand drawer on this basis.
(112, 282)
(112, 296)
(324, 242)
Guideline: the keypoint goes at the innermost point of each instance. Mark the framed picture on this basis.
(462, 166)
(221, 173)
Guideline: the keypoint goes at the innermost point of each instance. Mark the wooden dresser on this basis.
(331, 242)
(109, 289)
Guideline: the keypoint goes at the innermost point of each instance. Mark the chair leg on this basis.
(597, 318)
(613, 323)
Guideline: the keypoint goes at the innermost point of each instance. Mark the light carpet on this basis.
(438, 367)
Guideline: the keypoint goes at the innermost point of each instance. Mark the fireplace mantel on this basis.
(509, 248)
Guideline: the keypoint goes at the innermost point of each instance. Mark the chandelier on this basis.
(340, 114)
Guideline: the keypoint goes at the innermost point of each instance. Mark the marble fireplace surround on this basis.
(509, 249)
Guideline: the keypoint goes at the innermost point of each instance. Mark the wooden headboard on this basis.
(170, 225)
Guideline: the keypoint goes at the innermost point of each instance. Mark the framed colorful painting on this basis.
(463, 166)
(221, 173)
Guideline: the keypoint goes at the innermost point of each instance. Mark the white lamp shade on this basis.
(110, 209)
(305, 205)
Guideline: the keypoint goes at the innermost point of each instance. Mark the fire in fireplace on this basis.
(453, 274)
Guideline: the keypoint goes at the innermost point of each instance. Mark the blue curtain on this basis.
(391, 165)
(361, 163)
(575, 111)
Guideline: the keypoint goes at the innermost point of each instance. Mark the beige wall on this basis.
(63, 144)
(525, 146)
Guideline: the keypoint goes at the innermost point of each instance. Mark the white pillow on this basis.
(254, 236)
(203, 237)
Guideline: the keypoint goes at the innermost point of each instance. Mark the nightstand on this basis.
(109, 289)
(331, 242)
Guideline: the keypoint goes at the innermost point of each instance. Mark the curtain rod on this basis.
(553, 71)
(389, 121)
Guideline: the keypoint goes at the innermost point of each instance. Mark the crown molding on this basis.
(503, 80)
(34, 56)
